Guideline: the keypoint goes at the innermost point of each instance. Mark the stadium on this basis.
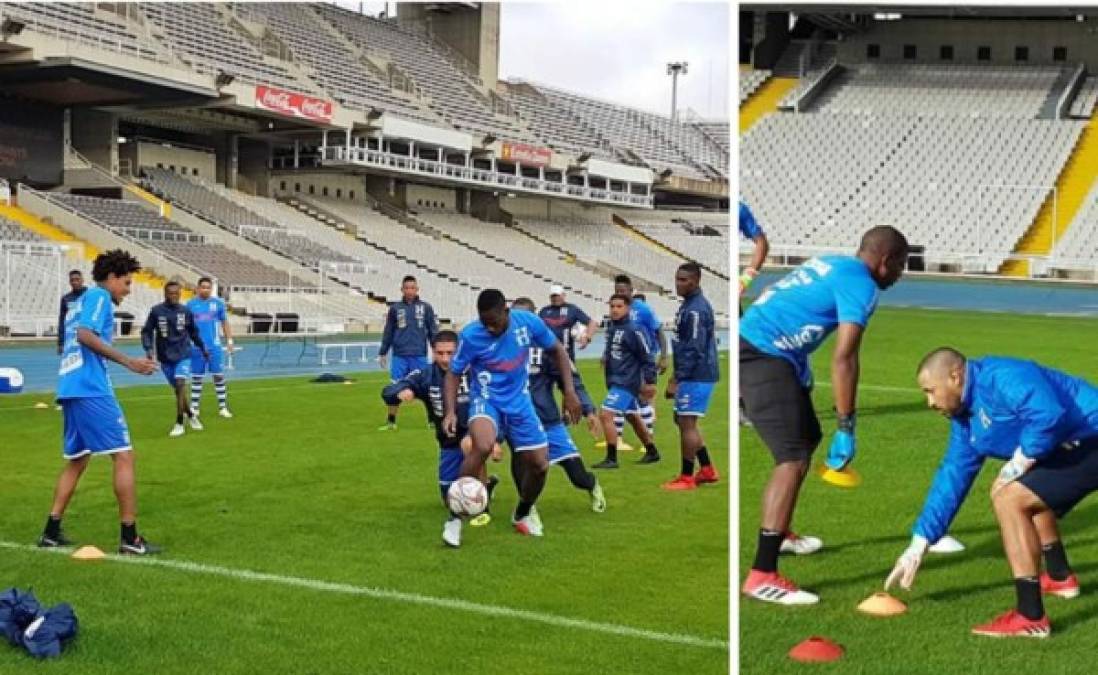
(305, 159)
(969, 129)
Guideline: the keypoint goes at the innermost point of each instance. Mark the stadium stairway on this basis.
(624, 224)
(764, 101)
(57, 235)
(1073, 185)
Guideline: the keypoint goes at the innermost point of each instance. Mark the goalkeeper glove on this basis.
(908, 563)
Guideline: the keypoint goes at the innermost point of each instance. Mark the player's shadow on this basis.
(957, 592)
(892, 409)
(903, 538)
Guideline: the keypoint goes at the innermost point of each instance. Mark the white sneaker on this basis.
(224, 412)
(177, 430)
(451, 532)
(799, 545)
(598, 499)
(195, 423)
(947, 544)
(530, 525)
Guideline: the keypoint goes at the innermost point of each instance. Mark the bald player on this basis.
(789, 321)
(1044, 424)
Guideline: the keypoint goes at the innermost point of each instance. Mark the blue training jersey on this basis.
(83, 373)
(793, 317)
(749, 227)
(207, 315)
(1007, 404)
(499, 364)
(641, 314)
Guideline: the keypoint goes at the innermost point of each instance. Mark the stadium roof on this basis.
(939, 11)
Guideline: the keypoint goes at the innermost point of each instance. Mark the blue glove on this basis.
(842, 450)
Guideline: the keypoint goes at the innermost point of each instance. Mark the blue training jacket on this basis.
(630, 361)
(427, 386)
(409, 328)
(1007, 404)
(172, 327)
(695, 341)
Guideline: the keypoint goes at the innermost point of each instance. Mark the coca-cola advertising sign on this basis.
(293, 105)
(527, 155)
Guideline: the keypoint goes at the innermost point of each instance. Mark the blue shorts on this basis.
(692, 398)
(586, 403)
(449, 465)
(199, 365)
(561, 445)
(93, 426)
(180, 370)
(521, 427)
(620, 400)
(400, 366)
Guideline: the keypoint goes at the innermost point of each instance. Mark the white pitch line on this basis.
(401, 596)
(880, 387)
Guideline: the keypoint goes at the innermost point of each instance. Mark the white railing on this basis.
(135, 48)
(467, 174)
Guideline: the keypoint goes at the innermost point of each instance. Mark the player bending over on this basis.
(209, 313)
(94, 423)
(1044, 424)
(562, 449)
(170, 328)
(496, 348)
(426, 385)
(789, 321)
(630, 369)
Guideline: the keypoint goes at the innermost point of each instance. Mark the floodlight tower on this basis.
(675, 69)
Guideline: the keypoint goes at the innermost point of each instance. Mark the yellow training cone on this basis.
(41, 406)
(847, 478)
(882, 604)
(88, 553)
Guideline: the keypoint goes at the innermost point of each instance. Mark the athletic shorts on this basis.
(586, 404)
(180, 370)
(400, 366)
(620, 400)
(692, 398)
(561, 445)
(449, 465)
(520, 427)
(93, 426)
(1066, 476)
(778, 405)
(199, 365)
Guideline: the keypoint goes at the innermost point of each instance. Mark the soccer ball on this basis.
(467, 496)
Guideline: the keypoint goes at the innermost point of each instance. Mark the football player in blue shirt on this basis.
(562, 317)
(170, 328)
(76, 289)
(426, 385)
(696, 372)
(496, 350)
(1044, 424)
(749, 229)
(410, 326)
(94, 423)
(209, 313)
(640, 313)
(630, 369)
(563, 452)
(787, 322)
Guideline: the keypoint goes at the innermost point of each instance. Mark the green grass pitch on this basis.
(300, 484)
(900, 443)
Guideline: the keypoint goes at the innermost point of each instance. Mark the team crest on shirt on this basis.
(522, 336)
(984, 419)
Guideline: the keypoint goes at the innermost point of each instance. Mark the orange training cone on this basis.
(816, 649)
(882, 604)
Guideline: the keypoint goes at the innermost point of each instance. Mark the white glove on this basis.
(908, 564)
(1018, 465)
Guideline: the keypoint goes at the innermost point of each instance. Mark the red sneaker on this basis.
(681, 483)
(1068, 588)
(1013, 624)
(706, 474)
(773, 587)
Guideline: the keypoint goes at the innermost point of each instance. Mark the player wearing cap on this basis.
(789, 321)
(1044, 424)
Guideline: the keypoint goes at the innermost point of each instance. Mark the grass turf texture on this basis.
(900, 444)
(300, 483)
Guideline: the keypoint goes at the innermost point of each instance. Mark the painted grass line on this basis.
(403, 597)
(880, 387)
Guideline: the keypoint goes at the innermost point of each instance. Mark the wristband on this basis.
(748, 276)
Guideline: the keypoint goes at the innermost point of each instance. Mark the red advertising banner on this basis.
(293, 105)
(527, 155)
